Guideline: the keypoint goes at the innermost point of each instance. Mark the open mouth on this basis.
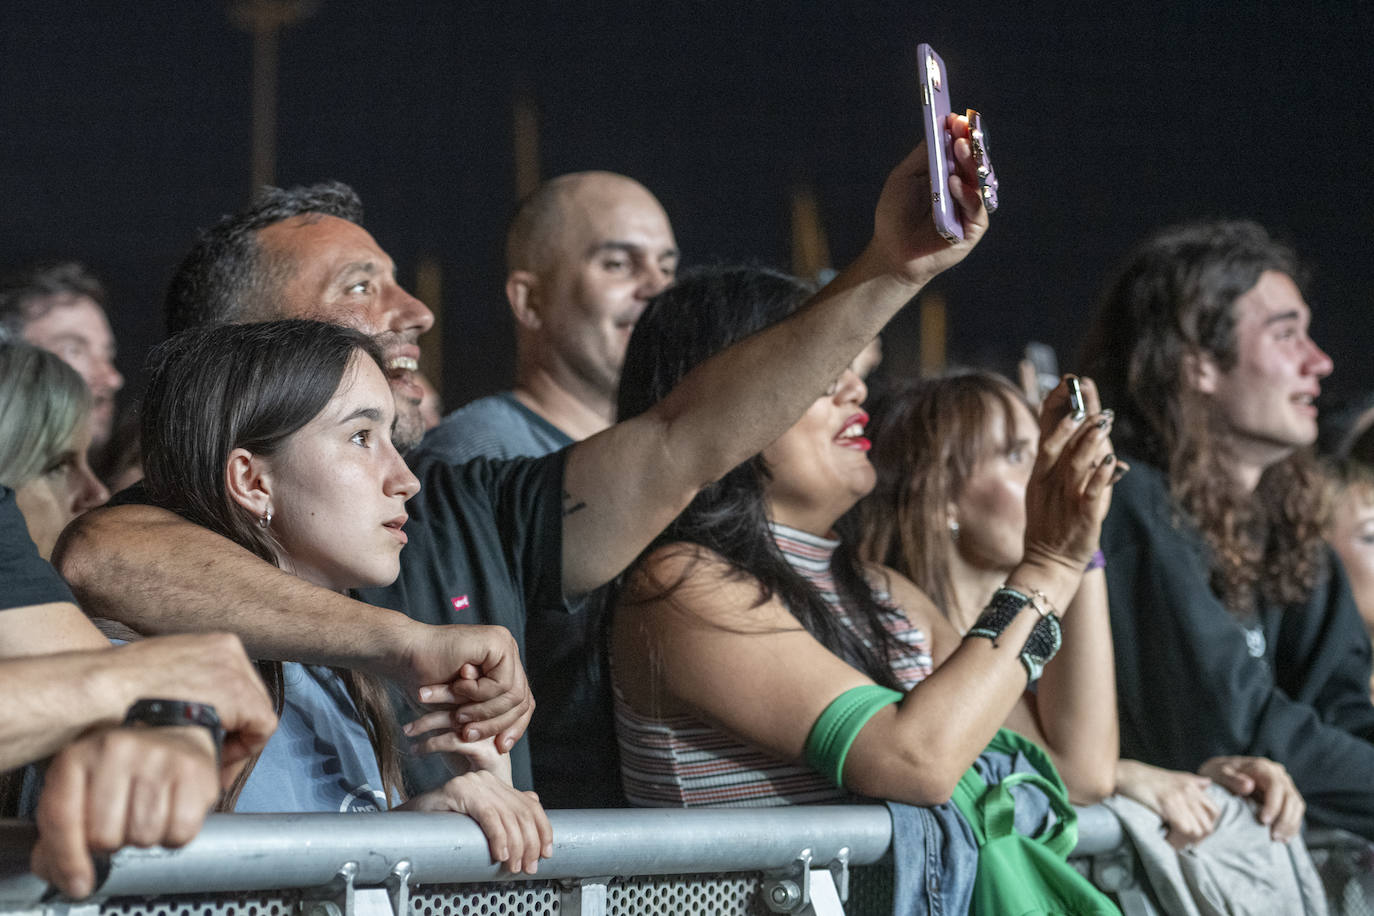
(852, 436)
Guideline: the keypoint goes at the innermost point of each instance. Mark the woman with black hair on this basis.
(742, 629)
(278, 436)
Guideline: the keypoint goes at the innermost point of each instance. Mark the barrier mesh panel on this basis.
(736, 895)
(537, 899)
(258, 903)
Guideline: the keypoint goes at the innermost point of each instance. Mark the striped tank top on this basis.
(681, 761)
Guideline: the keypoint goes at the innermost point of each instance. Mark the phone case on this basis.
(939, 146)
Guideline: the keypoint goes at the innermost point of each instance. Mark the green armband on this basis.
(834, 732)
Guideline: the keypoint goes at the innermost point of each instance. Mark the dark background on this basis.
(125, 126)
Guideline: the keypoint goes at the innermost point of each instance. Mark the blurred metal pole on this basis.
(526, 138)
(810, 250)
(265, 19)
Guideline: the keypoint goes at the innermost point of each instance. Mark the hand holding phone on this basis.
(939, 146)
(935, 111)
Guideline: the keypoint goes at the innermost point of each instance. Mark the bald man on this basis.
(584, 254)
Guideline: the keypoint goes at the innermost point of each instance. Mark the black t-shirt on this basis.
(25, 577)
(485, 544)
(1193, 681)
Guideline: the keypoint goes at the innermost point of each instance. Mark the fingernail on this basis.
(1079, 416)
(548, 850)
(1108, 460)
(409, 729)
(1119, 472)
(1105, 420)
(426, 693)
(471, 735)
(462, 718)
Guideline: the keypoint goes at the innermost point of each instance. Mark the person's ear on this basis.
(1201, 372)
(522, 292)
(249, 483)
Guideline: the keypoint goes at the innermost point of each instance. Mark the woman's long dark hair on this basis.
(705, 311)
(251, 386)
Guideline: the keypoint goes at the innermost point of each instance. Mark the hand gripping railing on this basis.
(362, 863)
(369, 865)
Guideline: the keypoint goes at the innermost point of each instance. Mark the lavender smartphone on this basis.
(939, 146)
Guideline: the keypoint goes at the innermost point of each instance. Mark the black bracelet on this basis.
(177, 713)
(1041, 646)
(1006, 603)
(1044, 639)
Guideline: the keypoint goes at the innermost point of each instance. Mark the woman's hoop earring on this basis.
(266, 519)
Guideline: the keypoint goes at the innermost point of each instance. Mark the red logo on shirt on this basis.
(460, 602)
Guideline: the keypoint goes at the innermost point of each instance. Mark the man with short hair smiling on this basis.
(488, 540)
(1239, 650)
(61, 308)
(584, 253)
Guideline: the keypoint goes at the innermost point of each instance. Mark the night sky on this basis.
(125, 126)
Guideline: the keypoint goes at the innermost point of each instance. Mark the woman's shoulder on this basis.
(901, 593)
(684, 576)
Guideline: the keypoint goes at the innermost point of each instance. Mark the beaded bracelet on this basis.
(1045, 638)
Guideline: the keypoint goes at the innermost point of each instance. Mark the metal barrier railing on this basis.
(728, 860)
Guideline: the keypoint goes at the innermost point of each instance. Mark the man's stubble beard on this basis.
(410, 428)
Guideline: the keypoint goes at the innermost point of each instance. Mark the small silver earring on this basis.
(266, 519)
(953, 530)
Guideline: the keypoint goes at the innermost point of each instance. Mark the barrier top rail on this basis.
(250, 852)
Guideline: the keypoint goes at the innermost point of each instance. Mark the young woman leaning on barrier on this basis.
(278, 436)
(747, 621)
(954, 457)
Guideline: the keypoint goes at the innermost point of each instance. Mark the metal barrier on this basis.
(799, 859)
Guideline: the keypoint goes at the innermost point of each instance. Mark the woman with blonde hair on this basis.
(45, 433)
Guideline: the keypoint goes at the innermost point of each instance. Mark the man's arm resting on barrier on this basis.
(158, 573)
(50, 700)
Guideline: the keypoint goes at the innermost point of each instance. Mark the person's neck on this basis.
(971, 588)
(1249, 460)
(577, 414)
(817, 521)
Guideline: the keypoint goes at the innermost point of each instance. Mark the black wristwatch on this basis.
(177, 712)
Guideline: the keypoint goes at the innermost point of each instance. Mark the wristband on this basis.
(1098, 561)
(1006, 603)
(1041, 646)
(177, 713)
(834, 732)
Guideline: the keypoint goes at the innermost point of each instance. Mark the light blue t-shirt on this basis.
(498, 426)
(319, 758)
